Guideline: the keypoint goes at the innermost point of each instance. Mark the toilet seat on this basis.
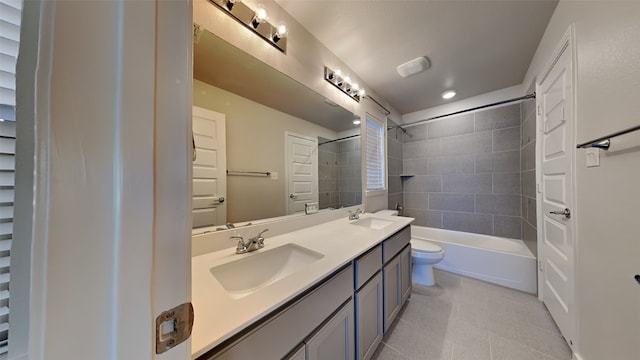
(425, 246)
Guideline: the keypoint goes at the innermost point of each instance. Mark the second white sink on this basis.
(373, 223)
(254, 271)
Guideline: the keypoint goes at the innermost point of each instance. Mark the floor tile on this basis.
(467, 319)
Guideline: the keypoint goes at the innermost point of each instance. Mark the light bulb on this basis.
(355, 87)
(259, 17)
(361, 92)
(356, 121)
(448, 94)
(338, 72)
(281, 32)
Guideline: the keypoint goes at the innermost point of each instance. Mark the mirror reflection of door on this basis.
(302, 171)
(209, 169)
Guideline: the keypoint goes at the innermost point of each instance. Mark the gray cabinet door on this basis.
(405, 275)
(369, 318)
(391, 274)
(334, 340)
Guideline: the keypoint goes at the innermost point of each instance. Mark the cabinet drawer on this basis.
(367, 265)
(395, 243)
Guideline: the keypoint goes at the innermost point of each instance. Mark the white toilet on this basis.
(423, 255)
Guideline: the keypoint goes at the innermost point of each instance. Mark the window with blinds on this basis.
(375, 154)
(10, 15)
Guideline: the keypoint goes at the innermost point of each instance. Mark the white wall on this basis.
(608, 237)
(255, 141)
(102, 118)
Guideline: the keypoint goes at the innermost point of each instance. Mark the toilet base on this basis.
(423, 275)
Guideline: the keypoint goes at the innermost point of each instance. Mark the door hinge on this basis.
(540, 268)
(539, 110)
(173, 327)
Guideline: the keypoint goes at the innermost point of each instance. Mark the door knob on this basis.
(566, 212)
(293, 197)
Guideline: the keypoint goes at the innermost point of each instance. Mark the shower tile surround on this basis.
(528, 173)
(467, 172)
(394, 163)
(339, 179)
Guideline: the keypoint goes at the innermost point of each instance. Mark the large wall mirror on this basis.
(266, 144)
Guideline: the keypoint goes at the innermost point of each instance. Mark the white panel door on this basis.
(209, 168)
(302, 171)
(556, 244)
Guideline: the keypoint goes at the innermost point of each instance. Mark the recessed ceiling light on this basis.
(414, 66)
(448, 94)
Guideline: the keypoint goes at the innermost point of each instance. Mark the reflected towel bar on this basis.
(248, 173)
(605, 141)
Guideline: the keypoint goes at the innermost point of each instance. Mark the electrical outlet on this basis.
(593, 157)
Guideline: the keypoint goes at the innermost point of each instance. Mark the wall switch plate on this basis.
(274, 175)
(311, 208)
(593, 157)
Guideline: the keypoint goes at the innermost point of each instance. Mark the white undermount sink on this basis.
(372, 223)
(255, 271)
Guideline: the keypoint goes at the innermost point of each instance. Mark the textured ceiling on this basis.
(475, 46)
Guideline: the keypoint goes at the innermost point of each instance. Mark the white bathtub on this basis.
(502, 261)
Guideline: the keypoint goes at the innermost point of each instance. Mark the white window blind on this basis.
(10, 16)
(375, 155)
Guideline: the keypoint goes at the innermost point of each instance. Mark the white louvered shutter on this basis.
(375, 154)
(10, 15)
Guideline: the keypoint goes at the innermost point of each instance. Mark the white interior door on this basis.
(302, 171)
(209, 168)
(556, 242)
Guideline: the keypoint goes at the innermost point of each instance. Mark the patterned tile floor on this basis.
(462, 319)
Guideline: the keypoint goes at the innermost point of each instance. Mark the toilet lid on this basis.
(425, 246)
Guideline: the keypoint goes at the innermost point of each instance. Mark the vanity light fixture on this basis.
(281, 33)
(256, 20)
(335, 78)
(229, 4)
(259, 16)
(449, 94)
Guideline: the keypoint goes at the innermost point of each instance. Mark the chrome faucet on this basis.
(355, 215)
(253, 244)
(256, 242)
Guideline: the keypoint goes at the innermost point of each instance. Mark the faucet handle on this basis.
(261, 239)
(242, 247)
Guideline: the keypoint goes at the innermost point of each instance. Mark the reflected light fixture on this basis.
(449, 94)
(356, 121)
(335, 78)
(414, 66)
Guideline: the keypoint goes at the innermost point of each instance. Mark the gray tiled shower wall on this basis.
(528, 173)
(394, 162)
(339, 179)
(466, 172)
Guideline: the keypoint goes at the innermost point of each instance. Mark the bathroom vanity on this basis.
(328, 291)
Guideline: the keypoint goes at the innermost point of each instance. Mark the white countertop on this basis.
(218, 316)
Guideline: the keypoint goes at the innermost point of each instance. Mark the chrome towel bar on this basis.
(248, 173)
(605, 141)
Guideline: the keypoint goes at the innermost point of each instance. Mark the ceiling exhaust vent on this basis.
(414, 66)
